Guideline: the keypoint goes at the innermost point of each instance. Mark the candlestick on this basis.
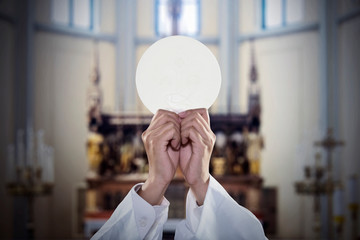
(329, 144)
(10, 166)
(20, 161)
(352, 189)
(29, 147)
(40, 147)
(353, 204)
(338, 207)
(51, 164)
(29, 182)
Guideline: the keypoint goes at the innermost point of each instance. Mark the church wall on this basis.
(61, 78)
(62, 69)
(63, 66)
(7, 58)
(348, 108)
(346, 6)
(145, 18)
(250, 14)
(289, 76)
(288, 71)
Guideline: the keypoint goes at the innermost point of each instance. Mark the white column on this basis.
(125, 56)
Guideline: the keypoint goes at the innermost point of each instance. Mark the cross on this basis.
(329, 143)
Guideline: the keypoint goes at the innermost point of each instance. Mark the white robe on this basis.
(220, 217)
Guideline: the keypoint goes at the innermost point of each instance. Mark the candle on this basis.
(20, 148)
(40, 148)
(352, 189)
(48, 164)
(51, 164)
(338, 205)
(10, 166)
(29, 147)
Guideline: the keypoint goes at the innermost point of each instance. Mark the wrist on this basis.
(199, 189)
(153, 191)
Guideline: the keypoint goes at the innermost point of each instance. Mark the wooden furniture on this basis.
(114, 181)
(247, 190)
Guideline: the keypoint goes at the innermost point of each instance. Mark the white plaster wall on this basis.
(108, 16)
(209, 18)
(349, 105)
(145, 18)
(63, 66)
(107, 82)
(249, 16)
(288, 71)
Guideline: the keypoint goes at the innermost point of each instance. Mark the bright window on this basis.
(278, 13)
(294, 11)
(60, 12)
(74, 13)
(177, 17)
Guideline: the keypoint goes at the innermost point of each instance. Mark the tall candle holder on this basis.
(314, 186)
(317, 186)
(30, 176)
(329, 144)
(353, 205)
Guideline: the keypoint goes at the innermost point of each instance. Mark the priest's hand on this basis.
(162, 142)
(197, 142)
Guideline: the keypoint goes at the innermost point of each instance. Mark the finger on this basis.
(202, 111)
(192, 135)
(198, 123)
(166, 135)
(161, 117)
(161, 112)
(201, 126)
(154, 131)
(192, 117)
(195, 117)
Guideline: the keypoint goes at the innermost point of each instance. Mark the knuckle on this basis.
(213, 136)
(144, 136)
(160, 111)
(171, 125)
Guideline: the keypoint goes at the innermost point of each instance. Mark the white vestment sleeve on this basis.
(220, 217)
(134, 218)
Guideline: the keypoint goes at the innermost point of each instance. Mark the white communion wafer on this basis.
(178, 73)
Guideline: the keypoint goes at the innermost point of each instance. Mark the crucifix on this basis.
(329, 144)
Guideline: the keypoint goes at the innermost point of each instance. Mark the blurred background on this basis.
(287, 117)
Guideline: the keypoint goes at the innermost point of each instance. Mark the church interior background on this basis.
(287, 118)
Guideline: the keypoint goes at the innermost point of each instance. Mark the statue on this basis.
(254, 139)
(95, 140)
(255, 145)
(94, 98)
(94, 153)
